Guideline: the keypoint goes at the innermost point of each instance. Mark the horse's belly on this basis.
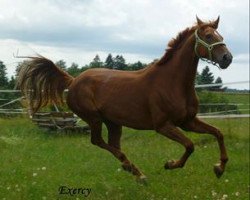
(129, 117)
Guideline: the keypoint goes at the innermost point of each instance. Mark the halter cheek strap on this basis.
(209, 47)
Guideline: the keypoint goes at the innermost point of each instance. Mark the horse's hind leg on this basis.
(114, 134)
(113, 146)
(175, 134)
(114, 137)
(200, 127)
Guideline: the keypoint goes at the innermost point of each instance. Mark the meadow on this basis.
(242, 99)
(35, 163)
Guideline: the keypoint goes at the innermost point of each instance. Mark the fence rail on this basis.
(224, 116)
(220, 84)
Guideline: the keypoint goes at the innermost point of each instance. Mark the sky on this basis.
(77, 30)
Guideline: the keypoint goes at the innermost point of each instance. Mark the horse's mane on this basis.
(175, 44)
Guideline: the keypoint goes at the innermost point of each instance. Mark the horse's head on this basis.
(209, 44)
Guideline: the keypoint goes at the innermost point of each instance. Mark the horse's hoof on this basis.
(142, 179)
(169, 164)
(218, 170)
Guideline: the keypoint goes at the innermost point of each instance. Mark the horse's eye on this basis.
(209, 36)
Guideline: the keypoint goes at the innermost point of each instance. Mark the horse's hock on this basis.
(61, 121)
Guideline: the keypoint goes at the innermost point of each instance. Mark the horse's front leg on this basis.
(199, 126)
(170, 131)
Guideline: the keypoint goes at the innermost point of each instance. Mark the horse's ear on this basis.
(199, 22)
(216, 23)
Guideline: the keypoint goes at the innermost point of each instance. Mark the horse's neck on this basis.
(183, 66)
(189, 62)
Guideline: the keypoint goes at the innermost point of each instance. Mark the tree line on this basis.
(117, 62)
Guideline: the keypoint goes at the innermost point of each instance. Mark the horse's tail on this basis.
(42, 82)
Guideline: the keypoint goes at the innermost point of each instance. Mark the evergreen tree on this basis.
(206, 76)
(219, 87)
(218, 80)
(3, 76)
(84, 68)
(61, 64)
(136, 66)
(197, 78)
(12, 83)
(74, 70)
(109, 62)
(96, 62)
(119, 63)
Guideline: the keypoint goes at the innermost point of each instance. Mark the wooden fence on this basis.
(65, 121)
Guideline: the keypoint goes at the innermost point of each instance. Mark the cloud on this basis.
(106, 24)
(140, 28)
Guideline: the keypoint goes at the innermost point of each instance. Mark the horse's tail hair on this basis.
(42, 82)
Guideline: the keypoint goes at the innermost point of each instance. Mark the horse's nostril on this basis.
(227, 57)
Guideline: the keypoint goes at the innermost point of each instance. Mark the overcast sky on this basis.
(77, 30)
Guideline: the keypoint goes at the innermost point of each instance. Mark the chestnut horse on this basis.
(160, 97)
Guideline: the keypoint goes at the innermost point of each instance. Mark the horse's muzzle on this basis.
(226, 60)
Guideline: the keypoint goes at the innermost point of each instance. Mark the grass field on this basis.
(35, 163)
(237, 97)
(240, 98)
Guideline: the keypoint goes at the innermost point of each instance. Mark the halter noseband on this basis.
(209, 47)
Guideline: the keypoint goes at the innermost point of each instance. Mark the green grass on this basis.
(240, 98)
(71, 160)
(237, 97)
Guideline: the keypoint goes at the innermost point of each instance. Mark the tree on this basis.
(109, 62)
(136, 66)
(74, 70)
(198, 78)
(198, 81)
(61, 64)
(96, 62)
(3, 76)
(119, 63)
(206, 76)
(12, 83)
(219, 87)
(84, 68)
